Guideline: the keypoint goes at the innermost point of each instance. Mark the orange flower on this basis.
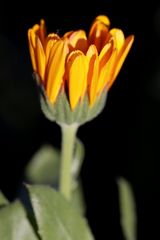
(76, 63)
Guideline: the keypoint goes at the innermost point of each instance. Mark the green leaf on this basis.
(3, 200)
(44, 166)
(128, 216)
(56, 218)
(14, 224)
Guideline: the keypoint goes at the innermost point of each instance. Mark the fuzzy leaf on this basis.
(44, 166)
(128, 216)
(55, 216)
(14, 224)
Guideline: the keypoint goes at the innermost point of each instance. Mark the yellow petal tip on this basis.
(104, 19)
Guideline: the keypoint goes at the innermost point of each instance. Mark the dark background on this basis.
(122, 141)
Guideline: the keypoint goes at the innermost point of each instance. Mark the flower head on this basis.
(78, 65)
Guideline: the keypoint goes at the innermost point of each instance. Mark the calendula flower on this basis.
(77, 70)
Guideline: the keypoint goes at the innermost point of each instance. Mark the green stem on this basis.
(68, 141)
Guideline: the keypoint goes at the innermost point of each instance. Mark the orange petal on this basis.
(121, 56)
(77, 74)
(52, 36)
(78, 40)
(92, 76)
(32, 37)
(104, 19)
(32, 50)
(98, 34)
(49, 42)
(67, 34)
(35, 28)
(49, 46)
(105, 54)
(42, 31)
(118, 38)
(56, 69)
(106, 72)
(40, 57)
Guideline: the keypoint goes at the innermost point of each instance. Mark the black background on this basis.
(122, 141)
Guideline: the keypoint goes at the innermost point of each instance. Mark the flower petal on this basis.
(77, 74)
(92, 76)
(67, 34)
(32, 49)
(35, 28)
(99, 32)
(98, 35)
(49, 42)
(53, 36)
(42, 31)
(105, 54)
(106, 72)
(32, 37)
(118, 37)
(104, 63)
(78, 40)
(104, 19)
(56, 69)
(121, 57)
(40, 57)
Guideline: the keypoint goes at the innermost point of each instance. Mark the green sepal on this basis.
(61, 111)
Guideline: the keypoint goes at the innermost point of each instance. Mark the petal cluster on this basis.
(77, 63)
